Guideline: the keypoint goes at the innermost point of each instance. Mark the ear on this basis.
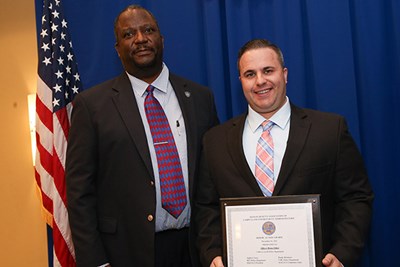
(285, 73)
(117, 48)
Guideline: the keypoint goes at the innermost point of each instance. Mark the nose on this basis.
(260, 79)
(140, 37)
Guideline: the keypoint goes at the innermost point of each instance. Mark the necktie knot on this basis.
(150, 89)
(267, 125)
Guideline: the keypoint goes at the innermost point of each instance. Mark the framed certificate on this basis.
(272, 231)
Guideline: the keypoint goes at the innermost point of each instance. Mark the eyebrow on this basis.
(248, 71)
(263, 68)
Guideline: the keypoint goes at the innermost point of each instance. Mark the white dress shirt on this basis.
(166, 96)
(279, 132)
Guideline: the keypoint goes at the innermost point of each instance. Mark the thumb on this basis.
(327, 261)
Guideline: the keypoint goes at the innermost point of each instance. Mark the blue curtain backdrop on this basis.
(342, 56)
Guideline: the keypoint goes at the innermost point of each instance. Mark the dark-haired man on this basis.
(277, 148)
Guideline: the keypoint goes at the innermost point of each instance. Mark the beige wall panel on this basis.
(22, 229)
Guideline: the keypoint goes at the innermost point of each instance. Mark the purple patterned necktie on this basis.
(173, 192)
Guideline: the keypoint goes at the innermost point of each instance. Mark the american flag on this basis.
(58, 83)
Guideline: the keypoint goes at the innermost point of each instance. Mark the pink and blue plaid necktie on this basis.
(173, 192)
(265, 160)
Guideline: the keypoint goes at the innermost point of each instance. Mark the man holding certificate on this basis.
(279, 149)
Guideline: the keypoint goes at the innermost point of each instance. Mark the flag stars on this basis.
(70, 56)
(59, 74)
(46, 61)
(45, 46)
(60, 60)
(57, 64)
(54, 27)
(56, 102)
(55, 14)
(44, 33)
(76, 76)
(57, 88)
(75, 89)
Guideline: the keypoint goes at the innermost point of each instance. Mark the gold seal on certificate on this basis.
(269, 228)
(272, 231)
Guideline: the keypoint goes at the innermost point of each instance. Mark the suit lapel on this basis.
(125, 103)
(299, 128)
(235, 146)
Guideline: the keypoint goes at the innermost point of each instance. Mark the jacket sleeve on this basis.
(354, 196)
(80, 180)
(206, 215)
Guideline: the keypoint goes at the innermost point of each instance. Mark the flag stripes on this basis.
(58, 83)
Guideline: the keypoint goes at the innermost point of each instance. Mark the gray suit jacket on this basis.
(110, 189)
(321, 158)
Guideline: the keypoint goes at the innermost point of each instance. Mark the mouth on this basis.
(264, 91)
(143, 51)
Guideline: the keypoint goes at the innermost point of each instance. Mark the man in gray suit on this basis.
(310, 152)
(112, 168)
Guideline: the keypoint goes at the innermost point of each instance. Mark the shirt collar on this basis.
(280, 118)
(161, 82)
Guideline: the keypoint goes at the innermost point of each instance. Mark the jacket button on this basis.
(150, 218)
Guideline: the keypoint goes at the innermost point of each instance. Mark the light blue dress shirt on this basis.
(279, 132)
(169, 102)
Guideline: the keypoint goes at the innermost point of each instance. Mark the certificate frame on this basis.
(262, 206)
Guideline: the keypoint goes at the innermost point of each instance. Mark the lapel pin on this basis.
(187, 93)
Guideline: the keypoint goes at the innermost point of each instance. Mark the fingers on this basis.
(217, 262)
(331, 261)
